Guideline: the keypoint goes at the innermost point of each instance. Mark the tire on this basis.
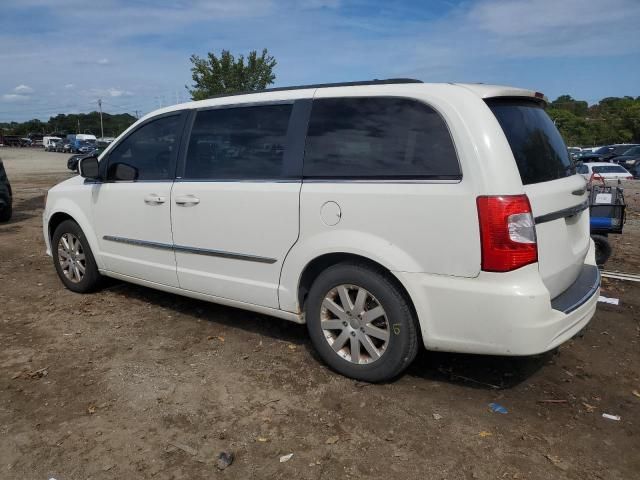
(397, 323)
(6, 213)
(81, 257)
(603, 249)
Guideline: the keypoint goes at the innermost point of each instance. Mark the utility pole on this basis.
(101, 127)
(136, 112)
(78, 131)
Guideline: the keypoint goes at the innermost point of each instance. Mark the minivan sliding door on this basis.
(235, 201)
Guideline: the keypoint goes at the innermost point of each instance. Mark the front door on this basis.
(235, 209)
(132, 208)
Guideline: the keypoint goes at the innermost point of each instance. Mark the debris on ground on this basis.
(497, 408)
(286, 458)
(437, 416)
(32, 374)
(332, 440)
(224, 459)
(557, 462)
(612, 301)
(608, 416)
(184, 448)
(553, 401)
(636, 393)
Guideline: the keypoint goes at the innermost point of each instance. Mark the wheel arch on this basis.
(320, 263)
(55, 220)
(76, 215)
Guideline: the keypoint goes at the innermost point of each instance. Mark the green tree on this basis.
(215, 75)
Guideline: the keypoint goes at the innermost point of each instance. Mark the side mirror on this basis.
(88, 168)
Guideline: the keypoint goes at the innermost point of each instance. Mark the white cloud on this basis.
(114, 92)
(15, 97)
(69, 86)
(103, 61)
(22, 89)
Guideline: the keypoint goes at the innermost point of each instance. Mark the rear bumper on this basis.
(500, 314)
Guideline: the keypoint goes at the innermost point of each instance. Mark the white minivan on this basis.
(382, 214)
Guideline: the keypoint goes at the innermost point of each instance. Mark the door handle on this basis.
(187, 200)
(153, 199)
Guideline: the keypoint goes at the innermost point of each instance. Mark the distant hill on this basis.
(114, 125)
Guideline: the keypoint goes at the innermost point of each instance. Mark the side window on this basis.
(582, 169)
(378, 137)
(148, 153)
(238, 143)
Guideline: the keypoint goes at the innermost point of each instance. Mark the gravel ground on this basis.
(134, 383)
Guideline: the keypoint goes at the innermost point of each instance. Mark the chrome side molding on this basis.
(192, 250)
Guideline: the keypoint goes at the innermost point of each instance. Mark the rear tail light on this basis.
(507, 232)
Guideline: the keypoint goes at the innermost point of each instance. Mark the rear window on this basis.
(608, 169)
(537, 146)
(378, 137)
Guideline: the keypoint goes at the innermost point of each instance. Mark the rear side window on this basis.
(238, 143)
(608, 169)
(378, 137)
(537, 146)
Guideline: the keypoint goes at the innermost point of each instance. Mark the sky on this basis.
(61, 56)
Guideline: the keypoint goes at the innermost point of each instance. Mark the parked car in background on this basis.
(284, 202)
(574, 152)
(629, 158)
(64, 146)
(72, 162)
(610, 152)
(608, 171)
(6, 195)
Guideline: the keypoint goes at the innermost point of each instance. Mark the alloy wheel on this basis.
(71, 257)
(354, 324)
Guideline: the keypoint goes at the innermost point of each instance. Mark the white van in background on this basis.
(49, 143)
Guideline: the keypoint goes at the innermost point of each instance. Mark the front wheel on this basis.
(360, 323)
(73, 258)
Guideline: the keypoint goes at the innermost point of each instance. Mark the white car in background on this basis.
(383, 214)
(608, 171)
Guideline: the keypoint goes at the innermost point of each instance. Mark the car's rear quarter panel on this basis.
(419, 226)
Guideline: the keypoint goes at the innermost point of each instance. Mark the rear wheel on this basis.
(603, 248)
(73, 258)
(360, 323)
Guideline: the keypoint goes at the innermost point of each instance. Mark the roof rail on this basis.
(388, 81)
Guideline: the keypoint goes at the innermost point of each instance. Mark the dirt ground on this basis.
(134, 383)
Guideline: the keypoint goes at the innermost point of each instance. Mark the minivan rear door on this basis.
(557, 195)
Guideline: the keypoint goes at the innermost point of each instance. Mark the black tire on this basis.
(6, 213)
(603, 249)
(91, 279)
(401, 324)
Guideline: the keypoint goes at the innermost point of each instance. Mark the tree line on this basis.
(114, 124)
(611, 120)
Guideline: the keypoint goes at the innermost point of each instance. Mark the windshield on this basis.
(537, 146)
(609, 169)
(633, 151)
(603, 150)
